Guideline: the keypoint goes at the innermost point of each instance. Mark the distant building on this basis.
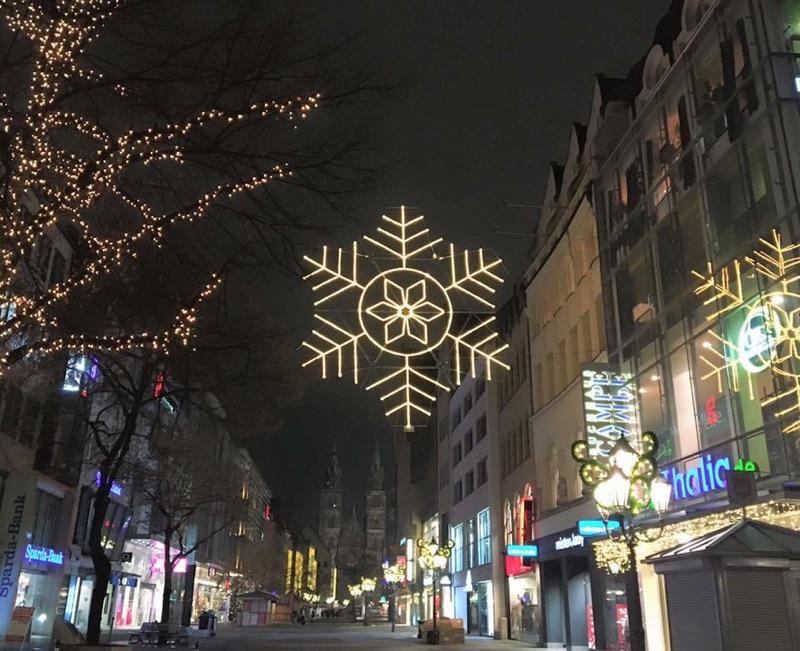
(357, 546)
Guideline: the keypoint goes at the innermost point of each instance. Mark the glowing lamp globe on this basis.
(623, 456)
(660, 494)
(613, 493)
(368, 585)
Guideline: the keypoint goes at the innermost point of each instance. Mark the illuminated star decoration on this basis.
(769, 337)
(403, 314)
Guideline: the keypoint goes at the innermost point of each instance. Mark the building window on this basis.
(482, 475)
(45, 521)
(455, 419)
(480, 387)
(456, 454)
(467, 442)
(457, 558)
(458, 492)
(480, 428)
(472, 544)
(467, 404)
(484, 538)
(469, 482)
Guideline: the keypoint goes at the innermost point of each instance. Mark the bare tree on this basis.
(183, 481)
(141, 130)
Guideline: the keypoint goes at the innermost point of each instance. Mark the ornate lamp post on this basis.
(434, 557)
(355, 591)
(367, 585)
(623, 488)
(393, 575)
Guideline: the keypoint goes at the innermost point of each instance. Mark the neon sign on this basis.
(757, 338)
(708, 476)
(591, 528)
(35, 554)
(609, 407)
(522, 551)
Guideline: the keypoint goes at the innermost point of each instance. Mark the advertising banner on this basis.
(16, 518)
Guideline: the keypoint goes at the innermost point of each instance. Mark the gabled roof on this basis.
(748, 538)
(580, 135)
(558, 174)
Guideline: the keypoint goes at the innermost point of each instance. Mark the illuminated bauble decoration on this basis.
(399, 305)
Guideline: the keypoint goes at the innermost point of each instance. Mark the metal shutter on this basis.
(693, 612)
(759, 614)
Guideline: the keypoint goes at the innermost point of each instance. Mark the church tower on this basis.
(375, 539)
(330, 506)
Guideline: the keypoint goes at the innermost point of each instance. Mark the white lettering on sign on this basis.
(568, 542)
(609, 408)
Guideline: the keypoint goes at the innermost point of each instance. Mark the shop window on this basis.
(472, 543)
(457, 557)
(508, 524)
(484, 538)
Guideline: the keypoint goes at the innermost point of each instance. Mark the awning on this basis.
(747, 538)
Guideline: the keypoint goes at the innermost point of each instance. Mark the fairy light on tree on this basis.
(405, 307)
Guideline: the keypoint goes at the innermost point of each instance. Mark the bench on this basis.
(150, 635)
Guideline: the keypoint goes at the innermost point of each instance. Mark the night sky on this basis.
(491, 91)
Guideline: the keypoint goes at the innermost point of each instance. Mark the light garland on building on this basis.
(405, 312)
(612, 555)
(769, 338)
(65, 183)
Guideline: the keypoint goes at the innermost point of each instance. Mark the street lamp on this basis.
(393, 575)
(623, 488)
(367, 585)
(434, 557)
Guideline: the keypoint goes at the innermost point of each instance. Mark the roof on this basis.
(259, 594)
(747, 538)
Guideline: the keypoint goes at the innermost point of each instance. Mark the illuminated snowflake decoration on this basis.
(408, 308)
(769, 337)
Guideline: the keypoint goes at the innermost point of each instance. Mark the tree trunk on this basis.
(102, 565)
(166, 603)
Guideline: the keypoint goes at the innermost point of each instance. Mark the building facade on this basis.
(698, 221)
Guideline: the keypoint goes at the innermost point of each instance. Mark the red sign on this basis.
(622, 627)
(514, 566)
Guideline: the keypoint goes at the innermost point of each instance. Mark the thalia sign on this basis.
(708, 476)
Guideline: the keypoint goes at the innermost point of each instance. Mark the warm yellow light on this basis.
(404, 313)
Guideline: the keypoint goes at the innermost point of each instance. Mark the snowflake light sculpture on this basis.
(406, 312)
(769, 337)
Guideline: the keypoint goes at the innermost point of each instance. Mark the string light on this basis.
(47, 183)
(612, 555)
(404, 314)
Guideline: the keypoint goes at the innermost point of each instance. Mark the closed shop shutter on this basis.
(759, 614)
(692, 607)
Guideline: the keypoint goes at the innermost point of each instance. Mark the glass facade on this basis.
(698, 211)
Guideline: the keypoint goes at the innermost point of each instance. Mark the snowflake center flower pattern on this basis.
(396, 322)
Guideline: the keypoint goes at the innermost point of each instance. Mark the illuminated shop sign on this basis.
(522, 551)
(592, 528)
(35, 554)
(609, 407)
(116, 489)
(568, 542)
(708, 476)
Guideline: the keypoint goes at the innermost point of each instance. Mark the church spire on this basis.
(376, 470)
(333, 475)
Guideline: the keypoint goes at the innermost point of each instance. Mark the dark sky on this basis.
(492, 89)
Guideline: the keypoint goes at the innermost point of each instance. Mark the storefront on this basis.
(473, 601)
(523, 594)
(209, 590)
(583, 607)
(40, 584)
